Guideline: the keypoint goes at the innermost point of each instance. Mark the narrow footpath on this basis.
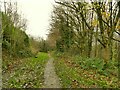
(51, 80)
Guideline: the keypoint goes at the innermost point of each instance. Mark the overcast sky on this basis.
(37, 12)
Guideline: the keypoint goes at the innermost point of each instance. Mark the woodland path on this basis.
(51, 80)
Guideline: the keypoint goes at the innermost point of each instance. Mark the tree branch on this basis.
(101, 42)
(117, 32)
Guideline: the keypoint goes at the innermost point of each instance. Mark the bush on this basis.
(24, 53)
(89, 63)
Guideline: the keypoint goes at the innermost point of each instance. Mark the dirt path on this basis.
(50, 78)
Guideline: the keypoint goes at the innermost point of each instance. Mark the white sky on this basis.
(37, 13)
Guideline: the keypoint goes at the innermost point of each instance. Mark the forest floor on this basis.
(80, 72)
(24, 73)
(58, 71)
(51, 80)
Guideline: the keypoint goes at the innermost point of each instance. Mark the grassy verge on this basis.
(78, 72)
(26, 73)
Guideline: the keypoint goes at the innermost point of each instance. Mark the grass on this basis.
(26, 73)
(78, 72)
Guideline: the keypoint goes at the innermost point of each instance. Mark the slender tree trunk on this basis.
(96, 46)
(111, 33)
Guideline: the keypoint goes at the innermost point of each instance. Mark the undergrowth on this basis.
(81, 72)
(26, 73)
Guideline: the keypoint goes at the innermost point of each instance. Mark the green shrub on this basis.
(89, 63)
